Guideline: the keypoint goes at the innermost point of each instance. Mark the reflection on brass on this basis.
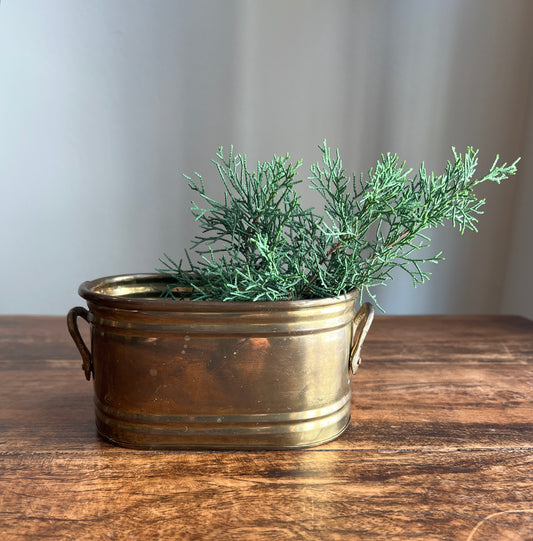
(185, 374)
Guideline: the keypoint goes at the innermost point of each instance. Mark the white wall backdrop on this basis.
(103, 105)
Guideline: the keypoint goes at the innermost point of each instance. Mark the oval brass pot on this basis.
(196, 374)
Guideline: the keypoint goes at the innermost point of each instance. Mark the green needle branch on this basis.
(261, 244)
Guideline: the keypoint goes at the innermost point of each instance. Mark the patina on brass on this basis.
(195, 374)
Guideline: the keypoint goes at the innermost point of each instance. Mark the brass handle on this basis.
(72, 322)
(361, 325)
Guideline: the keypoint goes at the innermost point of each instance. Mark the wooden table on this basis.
(440, 447)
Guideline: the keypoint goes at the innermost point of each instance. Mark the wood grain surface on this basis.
(440, 447)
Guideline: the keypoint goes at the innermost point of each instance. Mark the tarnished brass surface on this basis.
(194, 374)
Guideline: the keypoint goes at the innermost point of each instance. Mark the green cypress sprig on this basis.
(260, 243)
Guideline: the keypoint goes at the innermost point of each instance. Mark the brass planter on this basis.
(193, 374)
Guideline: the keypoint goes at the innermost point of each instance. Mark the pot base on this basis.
(252, 431)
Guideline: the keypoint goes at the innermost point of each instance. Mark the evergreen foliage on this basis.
(261, 244)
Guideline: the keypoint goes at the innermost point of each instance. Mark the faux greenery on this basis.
(260, 244)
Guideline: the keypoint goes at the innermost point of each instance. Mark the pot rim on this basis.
(94, 291)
